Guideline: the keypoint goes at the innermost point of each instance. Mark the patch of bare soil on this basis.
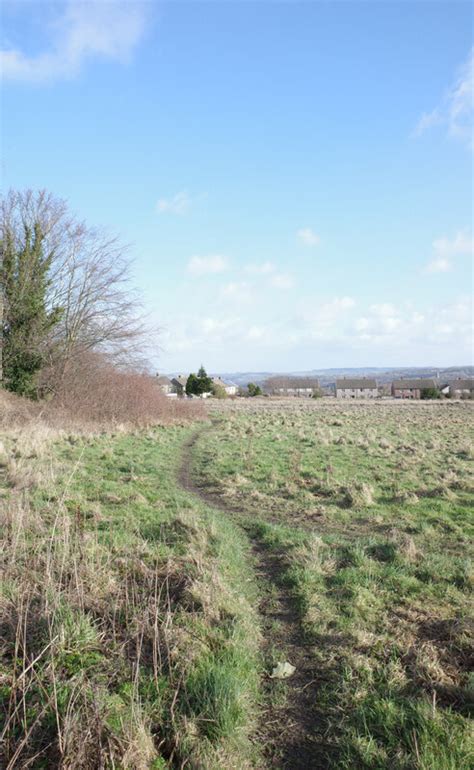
(290, 733)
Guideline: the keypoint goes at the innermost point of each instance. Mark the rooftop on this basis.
(418, 384)
(362, 383)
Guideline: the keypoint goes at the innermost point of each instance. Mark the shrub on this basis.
(100, 392)
(430, 393)
(254, 390)
(218, 391)
(92, 390)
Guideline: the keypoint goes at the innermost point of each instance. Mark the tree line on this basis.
(65, 294)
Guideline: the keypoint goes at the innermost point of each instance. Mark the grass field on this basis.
(370, 509)
(145, 608)
(131, 635)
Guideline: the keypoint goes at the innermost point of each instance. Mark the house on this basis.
(411, 388)
(299, 392)
(460, 388)
(229, 387)
(179, 383)
(165, 385)
(356, 388)
(299, 387)
(385, 389)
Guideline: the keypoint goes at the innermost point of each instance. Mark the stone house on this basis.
(460, 388)
(179, 383)
(298, 387)
(229, 387)
(411, 388)
(356, 388)
(165, 385)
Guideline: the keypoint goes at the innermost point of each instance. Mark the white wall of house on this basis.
(357, 393)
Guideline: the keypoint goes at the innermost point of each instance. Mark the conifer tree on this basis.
(191, 385)
(204, 382)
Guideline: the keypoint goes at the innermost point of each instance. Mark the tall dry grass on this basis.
(98, 394)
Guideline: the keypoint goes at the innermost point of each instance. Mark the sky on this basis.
(294, 179)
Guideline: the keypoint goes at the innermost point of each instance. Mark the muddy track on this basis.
(290, 734)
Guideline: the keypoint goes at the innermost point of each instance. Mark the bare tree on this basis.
(89, 281)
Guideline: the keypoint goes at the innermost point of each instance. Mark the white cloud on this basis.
(446, 249)
(330, 311)
(213, 263)
(439, 265)
(276, 280)
(389, 323)
(282, 281)
(256, 333)
(335, 332)
(84, 30)
(459, 245)
(362, 324)
(177, 204)
(213, 326)
(383, 309)
(263, 268)
(455, 111)
(307, 236)
(236, 291)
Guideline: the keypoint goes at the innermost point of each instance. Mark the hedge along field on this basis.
(372, 506)
(129, 634)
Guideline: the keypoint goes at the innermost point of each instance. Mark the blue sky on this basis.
(295, 178)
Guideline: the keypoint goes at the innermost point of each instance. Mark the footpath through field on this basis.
(287, 732)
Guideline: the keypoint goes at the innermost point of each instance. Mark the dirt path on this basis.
(290, 733)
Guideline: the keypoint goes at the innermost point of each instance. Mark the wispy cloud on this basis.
(177, 204)
(453, 247)
(261, 268)
(439, 265)
(214, 263)
(383, 309)
(238, 292)
(99, 28)
(455, 111)
(339, 326)
(282, 281)
(307, 236)
(446, 249)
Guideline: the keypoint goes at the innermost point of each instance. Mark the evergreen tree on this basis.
(198, 384)
(254, 390)
(204, 382)
(26, 319)
(192, 385)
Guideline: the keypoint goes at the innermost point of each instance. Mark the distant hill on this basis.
(381, 374)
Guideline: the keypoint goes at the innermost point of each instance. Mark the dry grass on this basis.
(111, 399)
(120, 603)
(371, 505)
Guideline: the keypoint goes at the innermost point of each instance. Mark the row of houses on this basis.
(404, 388)
(176, 386)
(364, 387)
(345, 388)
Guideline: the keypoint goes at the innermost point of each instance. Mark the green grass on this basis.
(382, 586)
(132, 634)
(139, 602)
